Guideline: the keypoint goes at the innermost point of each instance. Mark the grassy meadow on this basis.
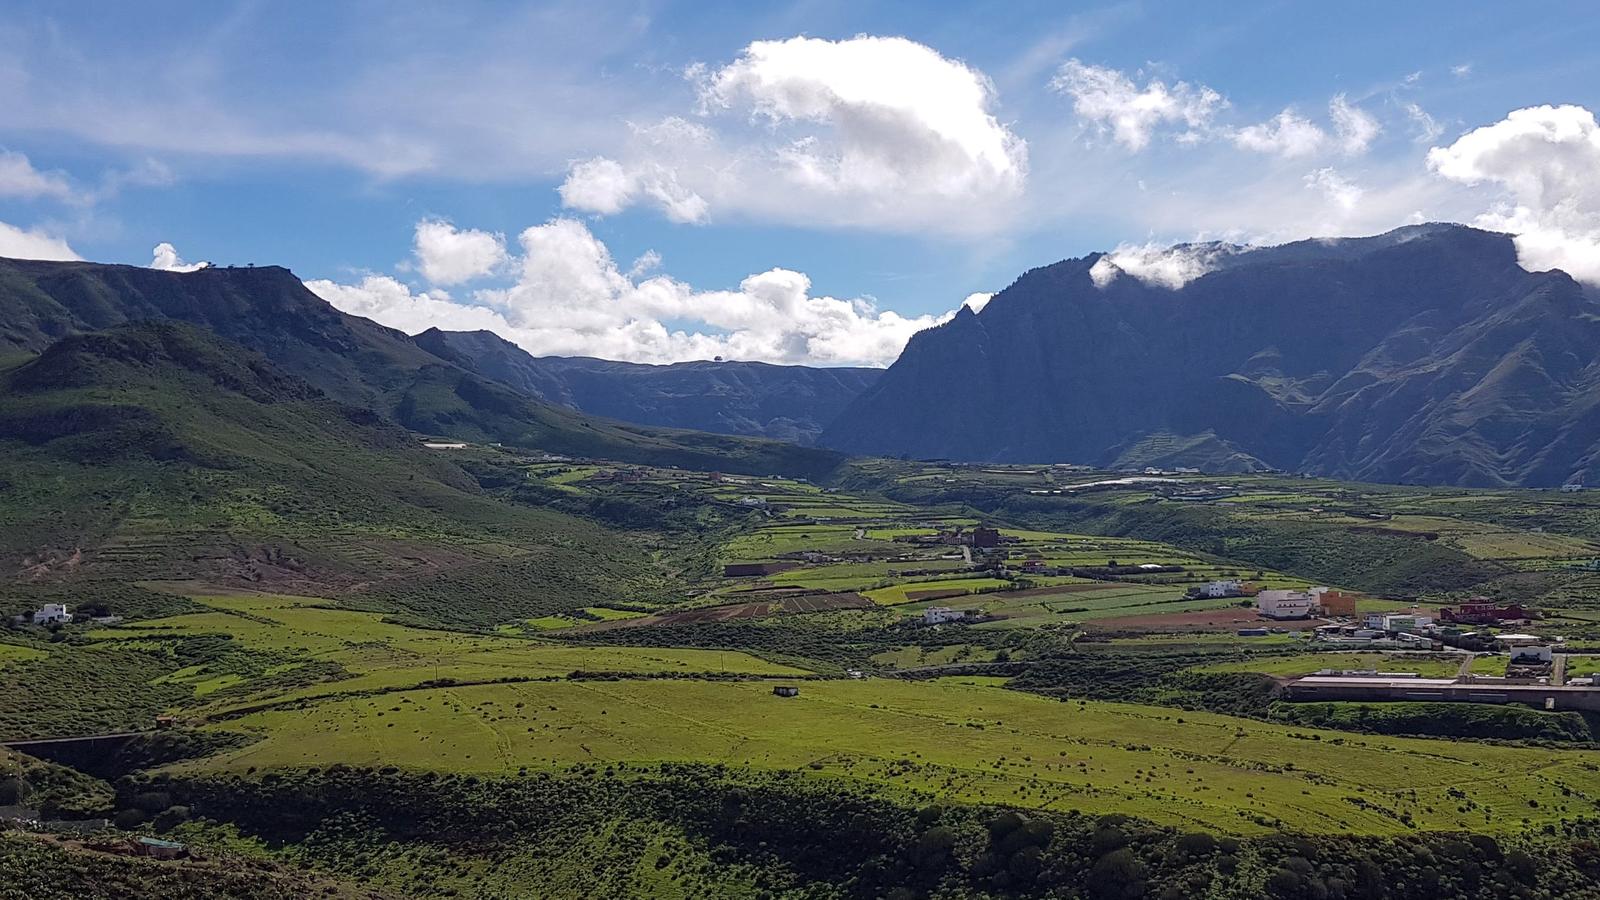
(972, 742)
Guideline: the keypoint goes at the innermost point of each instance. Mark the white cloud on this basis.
(1156, 265)
(1287, 134)
(977, 301)
(869, 132)
(570, 298)
(600, 185)
(1113, 102)
(1461, 71)
(646, 263)
(1427, 128)
(447, 255)
(1341, 191)
(166, 258)
(18, 178)
(1355, 126)
(1546, 162)
(387, 300)
(18, 243)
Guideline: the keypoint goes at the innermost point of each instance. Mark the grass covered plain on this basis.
(965, 742)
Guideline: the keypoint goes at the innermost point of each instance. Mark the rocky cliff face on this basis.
(1422, 355)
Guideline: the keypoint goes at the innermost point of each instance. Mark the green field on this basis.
(375, 655)
(971, 743)
(10, 653)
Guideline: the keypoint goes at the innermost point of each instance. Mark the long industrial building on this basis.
(1358, 687)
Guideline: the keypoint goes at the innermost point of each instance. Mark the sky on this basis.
(806, 182)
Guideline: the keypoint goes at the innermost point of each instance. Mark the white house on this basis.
(1374, 621)
(1532, 655)
(1220, 588)
(934, 615)
(1571, 487)
(52, 614)
(1280, 604)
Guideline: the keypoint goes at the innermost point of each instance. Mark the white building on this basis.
(52, 614)
(1532, 656)
(1571, 487)
(1406, 623)
(934, 615)
(1220, 588)
(1374, 621)
(1279, 604)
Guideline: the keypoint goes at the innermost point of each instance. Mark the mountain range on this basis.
(786, 403)
(355, 361)
(1424, 355)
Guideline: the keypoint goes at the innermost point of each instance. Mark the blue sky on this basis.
(901, 156)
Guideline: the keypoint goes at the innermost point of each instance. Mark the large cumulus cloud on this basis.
(1545, 163)
(568, 296)
(870, 131)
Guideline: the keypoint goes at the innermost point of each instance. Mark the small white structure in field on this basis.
(1280, 604)
(444, 445)
(52, 614)
(1571, 487)
(935, 615)
(1221, 588)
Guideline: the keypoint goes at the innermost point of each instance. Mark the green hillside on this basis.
(354, 360)
(157, 451)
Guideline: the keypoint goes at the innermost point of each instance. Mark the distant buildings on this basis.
(1481, 611)
(935, 615)
(1571, 487)
(1229, 588)
(1406, 623)
(1532, 655)
(1335, 603)
(444, 445)
(1282, 604)
(52, 614)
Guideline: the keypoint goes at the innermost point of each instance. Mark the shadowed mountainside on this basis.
(786, 403)
(1423, 355)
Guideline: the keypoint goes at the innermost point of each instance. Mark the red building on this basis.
(1483, 612)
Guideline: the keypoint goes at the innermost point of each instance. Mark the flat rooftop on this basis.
(1345, 681)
